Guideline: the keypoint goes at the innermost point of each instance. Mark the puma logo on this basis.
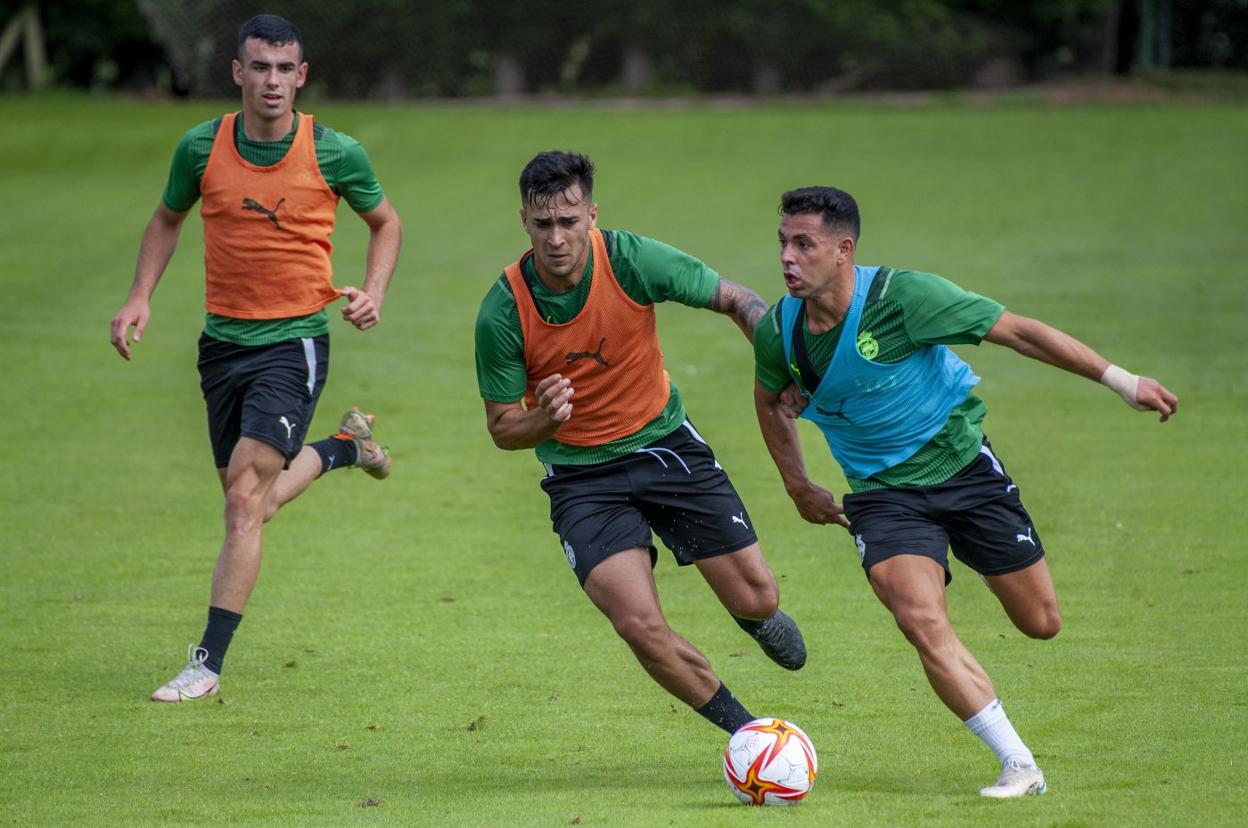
(255, 206)
(1027, 537)
(839, 412)
(596, 356)
(290, 427)
(740, 519)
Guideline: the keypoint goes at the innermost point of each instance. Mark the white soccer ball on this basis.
(770, 762)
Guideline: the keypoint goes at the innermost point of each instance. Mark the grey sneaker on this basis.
(1016, 780)
(194, 682)
(779, 638)
(358, 426)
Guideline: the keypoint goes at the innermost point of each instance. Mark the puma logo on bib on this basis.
(596, 356)
(257, 207)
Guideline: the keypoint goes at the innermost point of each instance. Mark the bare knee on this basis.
(759, 601)
(243, 510)
(1044, 624)
(746, 591)
(648, 636)
(924, 628)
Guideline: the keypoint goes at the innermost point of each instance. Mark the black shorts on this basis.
(266, 392)
(673, 486)
(977, 512)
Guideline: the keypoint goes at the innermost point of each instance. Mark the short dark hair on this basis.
(273, 30)
(837, 207)
(552, 172)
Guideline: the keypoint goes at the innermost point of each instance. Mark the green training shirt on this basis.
(903, 313)
(346, 169)
(648, 271)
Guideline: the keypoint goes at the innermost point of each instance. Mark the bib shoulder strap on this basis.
(880, 283)
(524, 279)
(809, 377)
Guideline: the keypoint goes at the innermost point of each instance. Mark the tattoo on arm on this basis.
(716, 302)
(751, 312)
(744, 305)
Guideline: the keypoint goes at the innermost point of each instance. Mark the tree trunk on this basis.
(766, 80)
(1108, 59)
(638, 69)
(509, 79)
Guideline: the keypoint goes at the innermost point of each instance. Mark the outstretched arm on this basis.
(512, 426)
(744, 305)
(1035, 339)
(159, 241)
(815, 503)
(363, 308)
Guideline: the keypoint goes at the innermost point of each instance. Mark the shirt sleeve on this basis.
(769, 366)
(651, 272)
(190, 158)
(354, 178)
(501, 373)
(938, 312)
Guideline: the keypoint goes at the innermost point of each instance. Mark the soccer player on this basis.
(270, 179)
(867, 347)
(568, 363)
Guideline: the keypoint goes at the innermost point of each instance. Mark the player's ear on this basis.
(302, 77)
(845, 248)
(593, 216)
(238, 73)
(524, 219)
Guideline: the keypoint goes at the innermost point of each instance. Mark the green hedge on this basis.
(459, 48)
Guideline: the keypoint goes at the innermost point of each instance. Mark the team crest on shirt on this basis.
(567, 550)
(867, 346)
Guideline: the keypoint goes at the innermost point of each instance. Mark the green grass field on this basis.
(421, 644)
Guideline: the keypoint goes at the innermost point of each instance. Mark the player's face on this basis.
(269, 76)
(811, 254)
(559, 231)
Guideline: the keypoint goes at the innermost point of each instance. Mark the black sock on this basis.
(723, 710)
(221, 626)
(336, 453)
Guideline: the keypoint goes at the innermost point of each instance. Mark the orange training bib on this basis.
(610, 351)
(266, 230)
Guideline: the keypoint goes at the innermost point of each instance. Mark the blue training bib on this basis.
(877, 415)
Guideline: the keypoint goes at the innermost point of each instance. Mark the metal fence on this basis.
(399, 49)
(395, 49)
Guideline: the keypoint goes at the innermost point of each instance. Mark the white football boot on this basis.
(194, 682)
(358, 426)
(1016, 780)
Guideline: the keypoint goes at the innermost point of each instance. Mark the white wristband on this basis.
(1125, 383)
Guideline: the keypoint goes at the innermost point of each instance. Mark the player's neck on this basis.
(826, 308)
(261, 129)
(559, 284)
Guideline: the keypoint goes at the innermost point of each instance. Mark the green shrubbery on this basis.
(458, 48)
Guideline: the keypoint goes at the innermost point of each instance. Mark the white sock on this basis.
(993, 726)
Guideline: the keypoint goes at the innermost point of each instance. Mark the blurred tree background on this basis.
(397, 49)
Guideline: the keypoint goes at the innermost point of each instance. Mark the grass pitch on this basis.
(416, 651)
